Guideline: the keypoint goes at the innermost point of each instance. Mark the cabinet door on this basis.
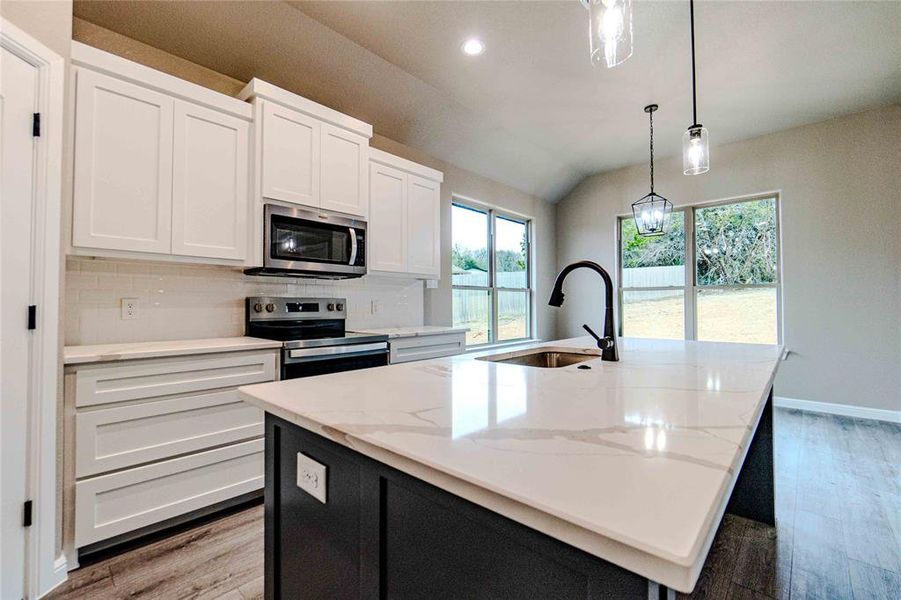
(209, 192)
(344, 159)
(291, 155)
(423, 226)
(123, 166)
(387, 219)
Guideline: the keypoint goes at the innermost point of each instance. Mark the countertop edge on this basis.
(392, 332)
(102, 353)
(655, 568)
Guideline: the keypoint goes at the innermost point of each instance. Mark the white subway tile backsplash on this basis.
(188, 301)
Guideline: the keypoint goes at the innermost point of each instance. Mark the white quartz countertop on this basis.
(632, 461)
(398, 332)
(73, 355)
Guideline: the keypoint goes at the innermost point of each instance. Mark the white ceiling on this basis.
(532, 112)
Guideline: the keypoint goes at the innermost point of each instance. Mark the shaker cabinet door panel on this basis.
(387, 219)
(423, 226)
(344, 174)
(209, 202)
(290, 155)
(123, 165)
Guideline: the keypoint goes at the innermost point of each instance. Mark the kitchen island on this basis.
(463, 477)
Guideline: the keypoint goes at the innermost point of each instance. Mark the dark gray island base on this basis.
(385, 534)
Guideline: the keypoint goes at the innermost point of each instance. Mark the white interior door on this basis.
(387, 219)
(209, 192)
(423, 226)
(18, 87)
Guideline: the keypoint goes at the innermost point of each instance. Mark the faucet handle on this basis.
(591, 332)
(603, 343)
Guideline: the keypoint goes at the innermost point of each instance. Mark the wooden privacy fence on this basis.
(475, 305)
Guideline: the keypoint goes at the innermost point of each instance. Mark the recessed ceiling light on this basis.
(473, 47)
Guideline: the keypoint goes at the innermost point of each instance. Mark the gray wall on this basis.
(840, 184)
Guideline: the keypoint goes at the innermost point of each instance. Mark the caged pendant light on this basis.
(695, 144)
(653, 212)
(609, 31)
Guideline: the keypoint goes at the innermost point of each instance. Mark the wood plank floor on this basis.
(838, 533)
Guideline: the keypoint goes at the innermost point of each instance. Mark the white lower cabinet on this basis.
(425, 347)
(157, 438)
(121, 502)
(125, 436)
(404, 217)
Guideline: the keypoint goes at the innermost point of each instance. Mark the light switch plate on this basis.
(311, 477)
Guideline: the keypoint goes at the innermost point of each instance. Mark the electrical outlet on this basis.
(129, 308)
(376, 307)
(311, 477)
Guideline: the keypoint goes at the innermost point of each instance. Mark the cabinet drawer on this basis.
(102, 384)
(110, 505)
(426, 347)
(125, 436)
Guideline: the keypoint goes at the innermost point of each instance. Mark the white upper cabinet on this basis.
(387, 219)
(423, 226)
(307, 153)
(160, 165)
(209, 191)
(291, 155)
(344, 170)
(123, 165)
(404, 217)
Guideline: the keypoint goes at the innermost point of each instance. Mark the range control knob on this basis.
(340, 307)
(257, 307)
(331, 306)
(270, 307)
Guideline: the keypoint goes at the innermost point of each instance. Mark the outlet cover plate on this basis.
(311, 477)
(129, 308)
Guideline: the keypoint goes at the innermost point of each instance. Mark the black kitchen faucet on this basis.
(607, 344)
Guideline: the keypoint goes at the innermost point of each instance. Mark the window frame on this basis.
(493, 213)
(691, 289)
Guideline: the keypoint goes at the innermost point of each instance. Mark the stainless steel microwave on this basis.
(300, 242)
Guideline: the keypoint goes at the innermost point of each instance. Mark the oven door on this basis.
(306, 362)
(313, 242)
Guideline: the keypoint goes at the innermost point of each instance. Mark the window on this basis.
(492, 289)
(713, 277)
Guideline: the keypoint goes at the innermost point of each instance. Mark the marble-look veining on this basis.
(632, 460)
(73, 355)
(415, 331)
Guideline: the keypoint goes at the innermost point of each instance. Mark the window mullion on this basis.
(690, 299)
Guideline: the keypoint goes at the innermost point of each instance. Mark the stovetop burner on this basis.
(302, 322)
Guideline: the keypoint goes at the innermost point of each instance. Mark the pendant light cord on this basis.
(651, 114)
(694, 85)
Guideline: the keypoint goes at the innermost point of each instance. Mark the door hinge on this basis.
(26, 514)
(36, 125)
(32, 316)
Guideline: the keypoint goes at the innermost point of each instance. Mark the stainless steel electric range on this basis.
(314, 340)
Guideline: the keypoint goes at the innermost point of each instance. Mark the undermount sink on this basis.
(545, 358)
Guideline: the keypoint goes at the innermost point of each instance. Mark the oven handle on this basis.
(334, 352)
(353, 246)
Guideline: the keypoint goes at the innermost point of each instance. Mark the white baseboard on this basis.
(846, 410)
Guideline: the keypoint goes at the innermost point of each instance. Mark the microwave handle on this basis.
(353, 246)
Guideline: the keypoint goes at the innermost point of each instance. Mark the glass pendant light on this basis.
(610, 31)
(653, 212)
(695, 145)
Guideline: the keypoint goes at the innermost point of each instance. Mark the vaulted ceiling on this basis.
(532, 112)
